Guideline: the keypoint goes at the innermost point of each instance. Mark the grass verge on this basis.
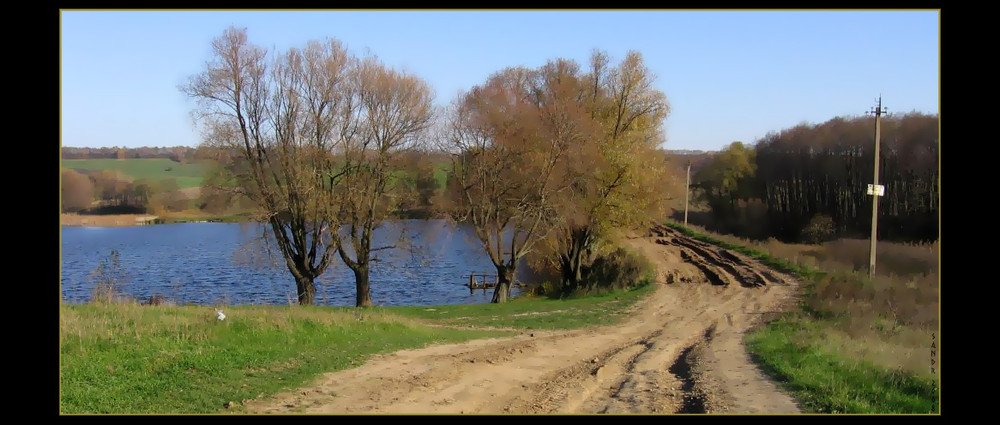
(790, 350)
(126, 358)
(534, 311)
(855, 346)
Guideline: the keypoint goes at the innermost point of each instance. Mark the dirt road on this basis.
(681, 351)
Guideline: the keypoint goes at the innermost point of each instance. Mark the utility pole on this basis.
(875, 189)
(687, 192)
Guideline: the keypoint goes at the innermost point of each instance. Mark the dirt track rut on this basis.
(680, 351)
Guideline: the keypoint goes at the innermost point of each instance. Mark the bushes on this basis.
(820, 229)
(547, 288)
(77, 191)
(620, 269)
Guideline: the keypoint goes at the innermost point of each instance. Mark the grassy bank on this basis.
(856, 345)
(127, 358)
(824, 380)
(534, 312)
(119, 220)
(187, 175)
(204, 217)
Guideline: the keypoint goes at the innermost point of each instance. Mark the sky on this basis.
(728, 75)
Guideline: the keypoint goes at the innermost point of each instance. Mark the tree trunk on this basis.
(505, 275)
(363, 298)
(572, 266)
(571, 261)
(570, 273)
(306, 290)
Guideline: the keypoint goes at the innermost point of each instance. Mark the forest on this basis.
(809, 183)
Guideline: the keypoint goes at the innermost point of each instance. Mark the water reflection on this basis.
(208, 263)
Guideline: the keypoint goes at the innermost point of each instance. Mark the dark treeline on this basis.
(809, 183)
(176, 153)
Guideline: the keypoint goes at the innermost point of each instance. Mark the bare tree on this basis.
(278, 124)
(392, 111)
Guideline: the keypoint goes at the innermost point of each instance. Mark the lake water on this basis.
(209, 263)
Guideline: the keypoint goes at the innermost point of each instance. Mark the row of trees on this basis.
(549, 160)
(176, 153)
(109, 190)
(310, 136)
(819, 173)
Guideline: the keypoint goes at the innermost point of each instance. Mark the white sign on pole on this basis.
(878, 190)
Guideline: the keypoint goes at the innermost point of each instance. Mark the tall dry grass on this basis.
(848, 255)
(888, 320)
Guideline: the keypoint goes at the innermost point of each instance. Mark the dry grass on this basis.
(847, 255)
(128, 320)
(887, 321)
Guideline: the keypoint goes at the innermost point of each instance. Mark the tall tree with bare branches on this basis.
(279, 121)
(392, 110)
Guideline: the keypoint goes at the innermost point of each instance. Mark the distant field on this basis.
(441, 174)
(187, 175)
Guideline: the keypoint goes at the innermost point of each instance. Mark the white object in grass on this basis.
(221, 315)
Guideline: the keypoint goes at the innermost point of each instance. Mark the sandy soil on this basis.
(681, 351)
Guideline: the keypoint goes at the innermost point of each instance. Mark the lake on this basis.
(227, 263)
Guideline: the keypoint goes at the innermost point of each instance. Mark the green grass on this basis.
(789, 350)
(187, 175)
(441, 174)
(796, 349)
(126, 358)
(228, 218)
(534, 312)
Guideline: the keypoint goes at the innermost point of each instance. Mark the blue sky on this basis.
(728, 75)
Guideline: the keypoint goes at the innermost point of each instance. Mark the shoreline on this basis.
(109, 220)
(129, 220)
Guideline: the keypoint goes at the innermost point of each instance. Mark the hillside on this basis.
(187, 175)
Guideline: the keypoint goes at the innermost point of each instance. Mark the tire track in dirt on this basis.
(750, 271)
(694, 397)
(679, 351)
